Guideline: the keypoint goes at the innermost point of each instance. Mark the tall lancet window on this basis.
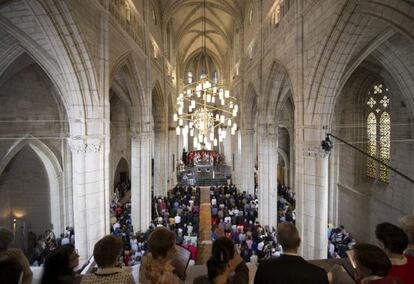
(372, 144)
(378, 132)
(189, 77)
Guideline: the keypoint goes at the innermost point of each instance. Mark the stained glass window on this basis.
(378, 129)
(385, 129)
(372, 144)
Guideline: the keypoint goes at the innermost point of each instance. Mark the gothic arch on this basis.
(249, 106)
(54, 173)
(276, 90)
(216, 60)
(127, 83)
(122, 162)
(75, 83)
(334, 63)
(159, 108)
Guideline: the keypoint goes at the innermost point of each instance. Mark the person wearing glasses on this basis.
(60, 266)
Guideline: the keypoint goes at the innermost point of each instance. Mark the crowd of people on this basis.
(235, 213)
(179, 212)
(339, 241)
(286, 203)
(237, 236)
(392, 261)
(40, 246)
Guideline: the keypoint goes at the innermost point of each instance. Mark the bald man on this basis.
(289, 268)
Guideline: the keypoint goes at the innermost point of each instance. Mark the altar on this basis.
(203, 167)
(203, 157)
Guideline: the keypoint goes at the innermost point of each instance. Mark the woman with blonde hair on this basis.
(156, 265)
(407, 224)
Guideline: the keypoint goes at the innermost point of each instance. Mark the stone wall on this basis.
(361, 197)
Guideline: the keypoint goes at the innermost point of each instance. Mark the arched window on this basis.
(372, 144)
(251, 15)
(190, 77)
(378, 132)
(385, 127)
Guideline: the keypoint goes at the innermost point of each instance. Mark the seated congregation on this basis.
(126, 256)
(390, 262)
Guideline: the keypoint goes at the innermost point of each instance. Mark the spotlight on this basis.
(327, 144)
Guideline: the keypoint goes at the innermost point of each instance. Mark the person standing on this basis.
(289, 268)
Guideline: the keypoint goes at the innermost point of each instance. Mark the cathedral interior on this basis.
(91, 94)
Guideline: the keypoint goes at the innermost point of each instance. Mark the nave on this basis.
(114, 112)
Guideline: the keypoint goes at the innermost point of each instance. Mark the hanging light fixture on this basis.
(205, 108)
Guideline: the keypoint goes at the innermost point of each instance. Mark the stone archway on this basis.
(121, 171)
(53, 173)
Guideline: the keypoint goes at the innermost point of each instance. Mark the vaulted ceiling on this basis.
(221, 18)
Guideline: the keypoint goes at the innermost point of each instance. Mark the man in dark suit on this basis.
(289, 268)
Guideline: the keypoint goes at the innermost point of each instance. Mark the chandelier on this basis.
(205, 108)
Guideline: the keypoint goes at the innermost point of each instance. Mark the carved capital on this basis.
(84, 147)
(314, 151)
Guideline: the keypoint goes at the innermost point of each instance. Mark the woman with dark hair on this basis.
(372, 265)
(393, 240)
(223, 261)
(59, 266)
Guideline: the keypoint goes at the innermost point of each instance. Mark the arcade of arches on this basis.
(88, 91)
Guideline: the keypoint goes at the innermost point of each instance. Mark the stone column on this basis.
(172, 158)
(312, 199)
(227, 149)
(267, 191)
(141, 181)
(247, 152)
(88, 195)
(160, 177)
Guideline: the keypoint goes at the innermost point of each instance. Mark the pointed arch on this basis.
(121, 164)
(343, 51)
(159, 109)
(127, 82)
(276, 90)
(249, 107)
(53, 170)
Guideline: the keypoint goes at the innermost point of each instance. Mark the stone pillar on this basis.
(333, 188)
(312, 200)
(160, 176)
(247, 152)
(88, 195)
(172, 158)
(267, 191)
(236, 155)
(141, 181)
(227, 149)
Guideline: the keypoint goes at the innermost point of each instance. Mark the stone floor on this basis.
(204, 241)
